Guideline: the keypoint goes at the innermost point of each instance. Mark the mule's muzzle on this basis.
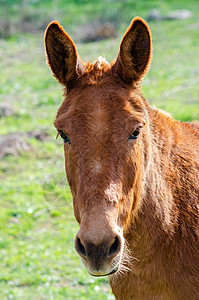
(101, 259)
(112, 272)
(96, 251)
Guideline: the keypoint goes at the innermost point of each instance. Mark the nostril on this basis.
(80, 247)
(115, 247)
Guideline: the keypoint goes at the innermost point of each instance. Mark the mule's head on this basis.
(103, 122)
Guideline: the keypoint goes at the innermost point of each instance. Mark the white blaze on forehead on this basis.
(112, 192)
(97, 167)
(96, 164)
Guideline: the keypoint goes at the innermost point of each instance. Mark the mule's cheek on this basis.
(76, 210)
(73, 183)
(125, 208)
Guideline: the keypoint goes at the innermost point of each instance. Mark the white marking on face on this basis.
(97, 168)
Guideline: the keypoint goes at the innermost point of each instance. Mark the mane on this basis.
(95, 72)
(101, 62)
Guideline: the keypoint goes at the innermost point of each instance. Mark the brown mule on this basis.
(132, 169)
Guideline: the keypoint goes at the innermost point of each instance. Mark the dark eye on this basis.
(134, 135)
(64, 136)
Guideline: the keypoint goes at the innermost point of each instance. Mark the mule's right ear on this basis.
(62, 55)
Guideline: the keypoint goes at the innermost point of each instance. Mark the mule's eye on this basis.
(64, 136)
(134, 135)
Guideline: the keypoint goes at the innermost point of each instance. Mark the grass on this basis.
(37, 255)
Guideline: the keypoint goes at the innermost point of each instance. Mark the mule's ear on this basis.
(61, 53)
(135, 52)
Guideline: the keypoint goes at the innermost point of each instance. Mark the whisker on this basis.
(126, 260)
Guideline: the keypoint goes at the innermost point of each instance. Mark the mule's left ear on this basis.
(62, 55)
(135, 52)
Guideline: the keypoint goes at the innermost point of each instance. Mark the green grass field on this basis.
(37, 256)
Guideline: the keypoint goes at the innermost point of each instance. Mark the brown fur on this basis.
(137, 200)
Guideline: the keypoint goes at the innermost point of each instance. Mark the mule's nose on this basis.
(98, 254)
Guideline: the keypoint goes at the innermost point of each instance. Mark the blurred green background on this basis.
(37, 256)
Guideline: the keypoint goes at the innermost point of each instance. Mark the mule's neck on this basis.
(164, 197)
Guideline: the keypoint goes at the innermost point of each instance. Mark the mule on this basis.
(132, 169)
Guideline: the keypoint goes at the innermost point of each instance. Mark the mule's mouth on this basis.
(102, 275)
